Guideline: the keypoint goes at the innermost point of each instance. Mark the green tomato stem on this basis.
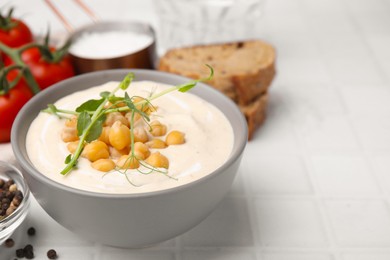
(16, 55)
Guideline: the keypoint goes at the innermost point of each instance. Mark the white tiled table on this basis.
(314, 183)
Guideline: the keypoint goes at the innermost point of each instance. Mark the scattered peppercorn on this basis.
(28, 251)
(9, 242)
(31, 231)
(52, 254)
(29, 254)
(20, 253)
(10, 197)
(28, 247)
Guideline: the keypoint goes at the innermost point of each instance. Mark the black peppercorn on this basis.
(52, 254)
(9, 242)
(20, 253)
(31, 231)
(28, 251)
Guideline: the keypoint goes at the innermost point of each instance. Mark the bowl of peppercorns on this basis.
(14, 200)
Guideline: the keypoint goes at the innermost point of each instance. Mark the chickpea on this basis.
(139, 155)
(118, 104)
(69, 134)
(140, 135)
(104, 136)
(145, 106)
(128, 116)
(72, 146)
(151, 109)
(128, 162)
(107, 105)
(175, 137)
(156, 143)
(157, 129)
(115, 116)
(96, 150)
(114, 153)
(142, 107)
(119, 135)
(158, 160)
(142, 148)
(103, 165)
(71, 122)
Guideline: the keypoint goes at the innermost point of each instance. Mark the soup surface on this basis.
(208, 142)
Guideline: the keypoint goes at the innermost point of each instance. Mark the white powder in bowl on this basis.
(104, 45)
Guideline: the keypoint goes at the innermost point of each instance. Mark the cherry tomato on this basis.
(10, 104)
(45, 72)
(15, 34)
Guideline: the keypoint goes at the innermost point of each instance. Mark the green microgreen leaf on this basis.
(115, 99)
(83, 121)
(126, 81)
(186, 87)
(90, 105)
(96, 129)
(105, 94)
(129, 102)
(52, 109)
(68, 159)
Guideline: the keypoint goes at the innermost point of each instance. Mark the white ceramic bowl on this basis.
(131, 220)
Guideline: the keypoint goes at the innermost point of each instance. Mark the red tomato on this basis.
(46, 73)
(10, 104)
(15, 35)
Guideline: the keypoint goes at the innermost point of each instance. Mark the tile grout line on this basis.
(319, 200)
(320, 203)
(250, 202)
(367, 156)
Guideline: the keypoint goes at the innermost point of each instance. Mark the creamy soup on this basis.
(208, 142)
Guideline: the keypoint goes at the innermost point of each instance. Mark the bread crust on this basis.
(255, 113)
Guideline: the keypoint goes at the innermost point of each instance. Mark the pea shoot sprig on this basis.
(92, 113)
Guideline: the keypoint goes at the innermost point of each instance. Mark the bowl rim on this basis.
(239, 141)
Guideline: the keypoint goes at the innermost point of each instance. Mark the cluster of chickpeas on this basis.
(113, 148)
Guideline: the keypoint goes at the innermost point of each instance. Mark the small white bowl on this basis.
(10, 223)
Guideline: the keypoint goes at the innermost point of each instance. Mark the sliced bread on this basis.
(242, 70)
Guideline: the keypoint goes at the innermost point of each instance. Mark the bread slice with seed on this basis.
(242, 70)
